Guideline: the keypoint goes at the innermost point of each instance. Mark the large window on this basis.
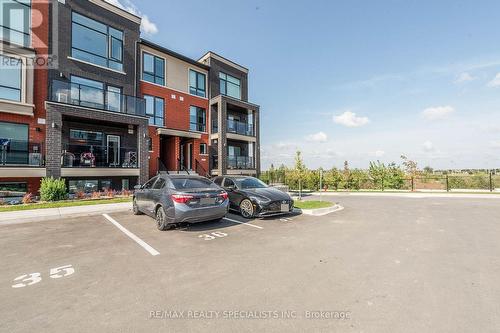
(153, 69)
(10, 78)
(197, 119)
(155, 110)
(196, 83)
(13, 143)
(230, 86)
(95, 94)
(15, 21)
(96, 42)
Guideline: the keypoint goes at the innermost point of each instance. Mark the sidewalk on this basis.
(414, 195)
(35, 215)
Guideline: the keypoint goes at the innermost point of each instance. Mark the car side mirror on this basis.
(137, 187)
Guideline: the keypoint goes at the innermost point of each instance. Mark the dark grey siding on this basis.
(216, 67)
(68, 67)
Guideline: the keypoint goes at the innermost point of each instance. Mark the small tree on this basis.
(52, 189)
(378, 172)
(410, 166)
(299, 171)
(333, 178)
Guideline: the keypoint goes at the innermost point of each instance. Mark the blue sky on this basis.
(355, 80)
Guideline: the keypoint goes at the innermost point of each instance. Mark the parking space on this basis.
(386, 262)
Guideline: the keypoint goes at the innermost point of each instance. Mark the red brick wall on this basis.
(40, 37)
(32, 182)
(176, 117)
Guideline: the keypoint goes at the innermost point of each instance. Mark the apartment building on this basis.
(114, 109)
(234, 135)
(23, 91)
(176, 94)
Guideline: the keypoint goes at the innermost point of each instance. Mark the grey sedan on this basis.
(173, 199)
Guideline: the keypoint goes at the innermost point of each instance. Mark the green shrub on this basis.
(52, 189)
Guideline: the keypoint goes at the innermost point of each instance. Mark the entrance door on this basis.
(182, 157)
(189, 156)
(113, 150)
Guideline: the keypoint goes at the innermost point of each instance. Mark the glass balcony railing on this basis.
(21, 153)
(239, 127)
(234, 126)
(240, 162)
(82, 95)
(97, 156)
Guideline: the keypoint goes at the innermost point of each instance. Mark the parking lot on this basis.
(379, 265)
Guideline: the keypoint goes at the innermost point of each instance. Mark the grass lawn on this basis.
(64, 203)
(312, 204)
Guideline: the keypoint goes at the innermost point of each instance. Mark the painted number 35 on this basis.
(33, 278)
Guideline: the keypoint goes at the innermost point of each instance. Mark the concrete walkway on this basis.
(36, 215)
(417, 195)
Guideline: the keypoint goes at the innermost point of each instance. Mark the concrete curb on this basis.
(37, 215)
(320, 211)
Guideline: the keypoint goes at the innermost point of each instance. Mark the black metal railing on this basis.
(201, 170)
(98, 156)
(21, 153)
(240, 162)
(239, 127)
(87, 96)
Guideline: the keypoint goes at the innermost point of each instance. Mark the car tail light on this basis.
(181, 198)
(223, 195)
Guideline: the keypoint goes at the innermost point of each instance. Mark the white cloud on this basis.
(428, 147)
(464, 77)
(495, 82)
(349, 119)
(437, 112)
(147, 26)
(378, 153)
(317, 137)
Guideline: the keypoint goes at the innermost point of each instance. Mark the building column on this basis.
(53, 143)
(222, 144)
(256, 120)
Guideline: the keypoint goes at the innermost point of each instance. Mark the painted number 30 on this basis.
(33, 278)
(213, 235)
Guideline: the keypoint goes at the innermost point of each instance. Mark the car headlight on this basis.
(259, 200)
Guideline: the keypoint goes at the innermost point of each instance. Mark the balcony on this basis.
(96, 156)
(240, 162)
(91, 97)
(236, 127)
(16, 153)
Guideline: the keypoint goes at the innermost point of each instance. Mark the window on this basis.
(149, 183)
(85, 137)
(230, 86)
(228, 182)
(13, 143)
(153, 69)
(150, 144)
(197, 119)
(96, 42)
(10, 78)
(155, 110)
(15, 21)
(84, 185)
(218, 181)
(160, 183)
(87, 92)
(191, 183)
(196, 83)
(203, 148)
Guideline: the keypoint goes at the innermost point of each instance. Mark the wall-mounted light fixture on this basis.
(53, 125)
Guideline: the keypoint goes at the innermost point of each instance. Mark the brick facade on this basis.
(176, 116)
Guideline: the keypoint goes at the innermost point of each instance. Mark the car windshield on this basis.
(190, 183)
(246, 183)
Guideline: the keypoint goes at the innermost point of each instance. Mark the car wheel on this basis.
(161, 220)
(246, 208)
(135, 208)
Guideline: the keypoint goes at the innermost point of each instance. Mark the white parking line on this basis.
(139, 241)
(236, 221)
